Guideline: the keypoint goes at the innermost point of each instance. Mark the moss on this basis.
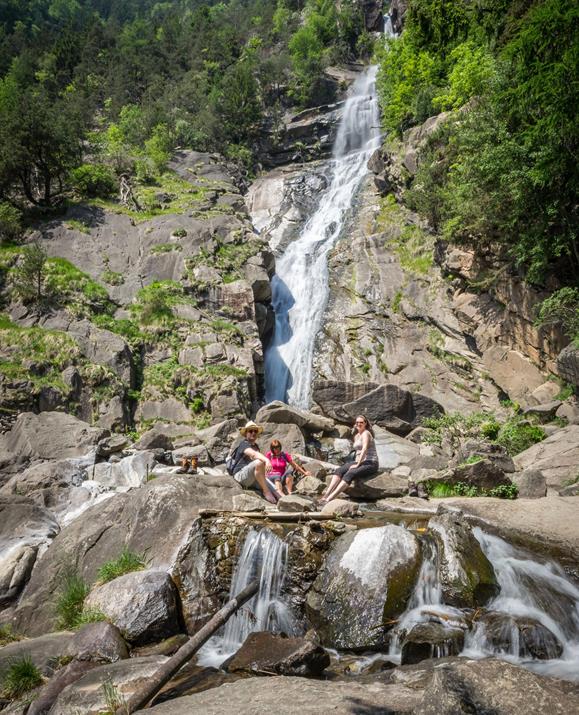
(75, 225)
(127, 562)
(396, 301)
(112, 278)
(165, 248)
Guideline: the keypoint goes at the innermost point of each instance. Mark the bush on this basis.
(562, 307)
(20, 677)
(93, 181)
(126, 562)
(517, 434)
(10, 223)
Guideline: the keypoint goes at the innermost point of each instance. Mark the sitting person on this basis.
(282, 469)
(365, 463)
(250, 465)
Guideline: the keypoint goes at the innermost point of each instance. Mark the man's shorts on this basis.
(246, 475)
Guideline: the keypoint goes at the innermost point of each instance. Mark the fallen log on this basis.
(288, 516)
(142, 698)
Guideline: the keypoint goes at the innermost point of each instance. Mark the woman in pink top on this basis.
(282, 469)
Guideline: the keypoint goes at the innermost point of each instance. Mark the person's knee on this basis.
(260, 468)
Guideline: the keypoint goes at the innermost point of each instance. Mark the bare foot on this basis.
(270, 498)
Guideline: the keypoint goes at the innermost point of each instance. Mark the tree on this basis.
(29, 275)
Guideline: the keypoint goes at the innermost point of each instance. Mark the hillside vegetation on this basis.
(503, 171)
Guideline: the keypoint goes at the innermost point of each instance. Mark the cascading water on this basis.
(300, 287)
(265, 554)
(530, 591)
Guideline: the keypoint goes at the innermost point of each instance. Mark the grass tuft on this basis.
(20, 677)
(69, 606)
(7, 635)
(126, 562)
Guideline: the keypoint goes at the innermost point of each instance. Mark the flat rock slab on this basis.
(549, 525)
(557, 456)
(382, 486)
(285, 695)
(267, 653)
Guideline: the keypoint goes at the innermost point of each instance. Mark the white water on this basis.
(300, 286)
(528, 589)
(267, 610)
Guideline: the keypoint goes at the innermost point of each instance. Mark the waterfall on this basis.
(263, 552)
(300, 286)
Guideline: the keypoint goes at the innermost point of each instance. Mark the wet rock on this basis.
(466, 575)
(44, 651)
(295, 502)
(265, 653)
(99, 642)
(531, 484)
(87, 694)
(557, 456)
(167, 647)
(431, 640)
(290, 695)
(363, 585)
(279, 413)
(382, 486)
(136, 520)
(47, 436)
(463, 686)
(516, 635)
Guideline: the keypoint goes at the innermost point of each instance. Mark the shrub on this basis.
(10, 223)
(93, 181)
(20, 677)
(126, 562)
(7, 635)
(562, 307)
(517, 434)
(69, 606)
(29, 276)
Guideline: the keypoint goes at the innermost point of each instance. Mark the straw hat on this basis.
(251, 425)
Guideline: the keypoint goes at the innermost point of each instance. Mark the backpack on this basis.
(231, 461)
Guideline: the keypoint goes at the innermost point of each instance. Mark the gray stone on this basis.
(381, 486)
(99, 642)
(330, 395)
(288, 695)
(142, 605)
(191, 356)
(136, 520)
(264, 652)
(568, 364)
(112, 445)
(218, 438)
(87, 694)
(48, 435)
(364, 584)
(464, 686)
(531, 484)
(341, 507)
(544, 410)
(466, 575)
(503, 632)
(295, 502)
(155, 438)
(279, 413)
(557, 456)
(483, 475)
(169, 409)
(249, 502)
(569, 411)
(43, 651)
(310, 485)
(113, 415)
(290, 436)
(70, 673)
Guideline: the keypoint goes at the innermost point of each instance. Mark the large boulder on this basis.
(88, 696)
(517, 635)
(557, 457)
(24, 528)
(49, 435)
(394, 451)
(568, 364)
(465, 686)
(155, 520)
(531, 484)
(264, 652)
(99, 642)
(382, 486)
(330, 395)
(466, 575)
(279, 413)
(44, 651)
(363, 586)
(290, 436)
(131, 471)
(484, 475)
(431, 640)
(142, 605)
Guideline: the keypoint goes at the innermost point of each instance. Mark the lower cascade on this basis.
(265, 554)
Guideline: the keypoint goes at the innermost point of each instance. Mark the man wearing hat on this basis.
(251, 465)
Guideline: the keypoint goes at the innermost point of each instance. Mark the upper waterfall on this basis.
(300, 286)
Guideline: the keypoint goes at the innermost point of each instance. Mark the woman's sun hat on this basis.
(250, 426)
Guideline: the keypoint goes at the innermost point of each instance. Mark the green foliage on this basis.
(10, 223)
(126, 562)
(155, 302)
(562, 307)
(20, 677)
(443, 490)
(70, 602)
(93, 180)
(7, 635)
(454, 427)
(517, 434)
(29, 276)
(472, 74)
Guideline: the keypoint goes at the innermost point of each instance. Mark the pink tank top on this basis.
(278, 463)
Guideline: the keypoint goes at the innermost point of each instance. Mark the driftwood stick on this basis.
(143, 697)
(289, 516)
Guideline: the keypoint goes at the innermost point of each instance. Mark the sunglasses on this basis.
(251, 431)
(276, 447)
